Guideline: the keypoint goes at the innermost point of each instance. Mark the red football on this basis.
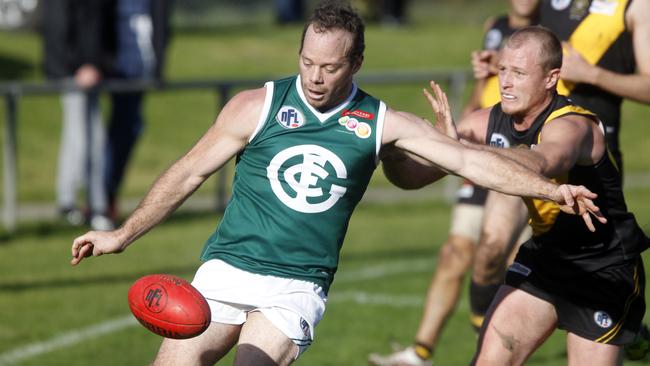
(169, 306)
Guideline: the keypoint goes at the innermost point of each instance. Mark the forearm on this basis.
(633, 86)
(494, 171)
(167, 193)
(523, 157)
(482, 166)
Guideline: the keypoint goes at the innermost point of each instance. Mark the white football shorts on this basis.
(466, 220)
(293, 306)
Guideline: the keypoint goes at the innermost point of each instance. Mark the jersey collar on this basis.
(322, 117)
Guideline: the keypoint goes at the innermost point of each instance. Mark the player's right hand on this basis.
(96, 243)
(442, 110)
(578, 200)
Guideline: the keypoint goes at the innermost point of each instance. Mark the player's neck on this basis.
(524, 120)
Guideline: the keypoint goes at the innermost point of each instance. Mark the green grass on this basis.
(42, 297)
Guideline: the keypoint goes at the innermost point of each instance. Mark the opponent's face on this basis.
(523, 83)
(524, 8)
(325, 71)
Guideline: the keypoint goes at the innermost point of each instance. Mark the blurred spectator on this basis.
(393, 12)
(142, 36)
(79, 50)
(289, 11)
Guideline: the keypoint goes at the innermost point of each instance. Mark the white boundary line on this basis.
(73, 337)
(66, 339)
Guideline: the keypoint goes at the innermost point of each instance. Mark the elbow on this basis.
(411, 180)
(406, 184)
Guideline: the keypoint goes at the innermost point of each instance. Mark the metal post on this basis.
(9, 164)
(222, 175)
(457, 81)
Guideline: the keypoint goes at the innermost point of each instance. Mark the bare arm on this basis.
(225, 138)
(407, 171)
(632, 86)
(565, 142)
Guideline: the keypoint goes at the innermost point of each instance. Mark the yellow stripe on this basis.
(476, 320)
(594, 36)
(562, 111)
(607, 337)
(544, 213)
(491, 94)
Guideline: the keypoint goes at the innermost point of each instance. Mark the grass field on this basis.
(52, 314)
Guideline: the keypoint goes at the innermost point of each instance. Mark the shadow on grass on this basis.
(19, 286)
(41, 229)
(12, 68)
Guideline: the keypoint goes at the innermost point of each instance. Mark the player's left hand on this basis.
(440, 105)
(578, 200)
(575, 67)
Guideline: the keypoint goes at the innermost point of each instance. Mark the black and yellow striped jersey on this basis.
(562, 235)
(597, 30)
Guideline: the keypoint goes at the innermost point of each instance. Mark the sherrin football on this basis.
(169, 306)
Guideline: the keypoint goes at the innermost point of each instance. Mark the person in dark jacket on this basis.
(142, 34)
(78, 41)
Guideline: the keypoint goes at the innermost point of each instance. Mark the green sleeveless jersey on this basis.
(296, 184)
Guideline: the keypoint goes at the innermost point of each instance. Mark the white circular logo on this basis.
(304, 179)
(602, 319)
(493, 39)
(499, 140)
(560, 4)
(290, 117)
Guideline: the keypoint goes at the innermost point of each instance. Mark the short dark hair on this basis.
(550, 53)
(338, 15)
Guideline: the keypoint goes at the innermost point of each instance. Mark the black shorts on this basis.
(606, 306)
(471, 194)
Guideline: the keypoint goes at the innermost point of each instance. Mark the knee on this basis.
(455, 257)
(491, 256)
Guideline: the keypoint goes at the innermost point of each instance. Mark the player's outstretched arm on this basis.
(225, 138)
(486, 168)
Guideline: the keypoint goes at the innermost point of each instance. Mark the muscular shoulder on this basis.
(247, 102)
(243, 111)
(572, 129)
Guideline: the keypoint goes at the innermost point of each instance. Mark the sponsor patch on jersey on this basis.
(498, 140)
(358, 113)
(560, 4)
(363, 130)
(352, 124)
(605, 7)
(519, 268)
(602, 319)
(493, 39)
(290, 117)
(344, 120)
